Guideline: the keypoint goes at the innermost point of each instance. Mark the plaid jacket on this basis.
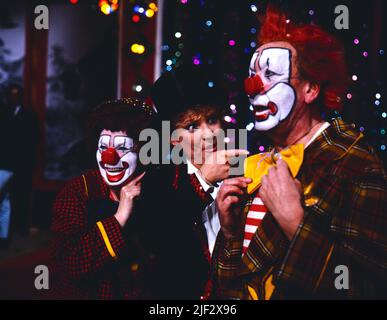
(344, 226)
(87, 267)
(158, 240)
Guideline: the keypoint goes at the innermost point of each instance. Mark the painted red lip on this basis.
(118, 177)
(115, 178)
(271, 109)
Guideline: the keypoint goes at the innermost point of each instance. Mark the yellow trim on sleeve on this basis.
(106, 239)
(84, 182)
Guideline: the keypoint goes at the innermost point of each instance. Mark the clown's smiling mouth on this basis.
(262, 112)
(114, 173)
(114, 169)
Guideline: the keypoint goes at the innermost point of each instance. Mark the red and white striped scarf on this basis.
(254, 218)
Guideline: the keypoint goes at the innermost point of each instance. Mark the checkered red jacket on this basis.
(85, 267)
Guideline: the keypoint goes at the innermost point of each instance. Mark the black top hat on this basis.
(185, 87)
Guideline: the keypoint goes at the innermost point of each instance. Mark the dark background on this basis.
(234, 20)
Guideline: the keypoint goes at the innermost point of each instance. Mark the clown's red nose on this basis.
(253, 85)
(110, 156)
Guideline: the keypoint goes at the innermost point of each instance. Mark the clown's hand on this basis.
(128, 193)
(282, 195)
(216, 166)
(229, 202)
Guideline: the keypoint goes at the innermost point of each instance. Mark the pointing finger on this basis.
(236, 152)
(136, 180)
(238, 181)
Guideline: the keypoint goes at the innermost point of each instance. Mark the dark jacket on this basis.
(177, 206)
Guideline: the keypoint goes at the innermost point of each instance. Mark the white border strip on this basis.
(119, 47)
(159, 38)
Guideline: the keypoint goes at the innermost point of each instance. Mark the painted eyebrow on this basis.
(255, 62)
(124, 143)
(268, 67)
(102, 139)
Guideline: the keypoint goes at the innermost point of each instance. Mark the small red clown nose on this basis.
(110, 156)
(253, 85)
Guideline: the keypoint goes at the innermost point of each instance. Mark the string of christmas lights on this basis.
(223, 34)
(235, 27)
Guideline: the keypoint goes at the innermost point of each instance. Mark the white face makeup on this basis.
(274, 103)
(115, 157)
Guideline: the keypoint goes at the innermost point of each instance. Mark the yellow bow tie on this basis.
(258, 165)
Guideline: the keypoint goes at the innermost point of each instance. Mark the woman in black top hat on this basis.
(187, 221)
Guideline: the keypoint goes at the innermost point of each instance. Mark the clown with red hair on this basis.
(308, 218)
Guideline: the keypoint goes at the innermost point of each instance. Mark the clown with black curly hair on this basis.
(98, 249)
